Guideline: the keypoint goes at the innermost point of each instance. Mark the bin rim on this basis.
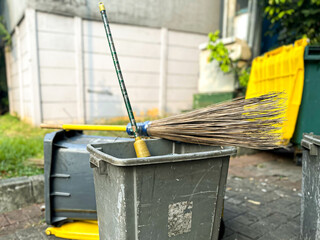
(315, 139)
(96, 156)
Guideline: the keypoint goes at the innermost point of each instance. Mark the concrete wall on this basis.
(57, 66)
(182, 69)
(19, 73)
(197, 16)
(139, 54)
(70, 77)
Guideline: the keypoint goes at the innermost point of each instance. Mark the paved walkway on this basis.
(262, 202)
(263, 198)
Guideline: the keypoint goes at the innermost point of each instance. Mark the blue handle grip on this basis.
(142, 129)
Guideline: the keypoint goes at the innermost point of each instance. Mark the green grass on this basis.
(18, 143)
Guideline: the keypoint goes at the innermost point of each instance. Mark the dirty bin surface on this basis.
(175, 194)
(310, 207)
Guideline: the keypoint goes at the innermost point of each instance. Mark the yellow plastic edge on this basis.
(282, 70)
(80, 230)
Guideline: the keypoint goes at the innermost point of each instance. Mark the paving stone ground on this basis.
(262, 202)
(263, 198)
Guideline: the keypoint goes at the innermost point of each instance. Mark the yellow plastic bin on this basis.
(282, 70)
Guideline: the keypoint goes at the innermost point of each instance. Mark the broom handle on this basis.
(139, 145)
(121, 128)
(118, 69)
(142, 127)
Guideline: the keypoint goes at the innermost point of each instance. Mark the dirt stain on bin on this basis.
(179, 218)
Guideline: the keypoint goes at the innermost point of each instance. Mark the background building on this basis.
(59, 68)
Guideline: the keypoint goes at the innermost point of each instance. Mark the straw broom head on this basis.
(253, 123)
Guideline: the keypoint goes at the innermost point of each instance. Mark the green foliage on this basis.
(6, 38)
(19, 142)
(4, 33)
(294, 19)
(220, 53)
(4, 103)
(244, 77)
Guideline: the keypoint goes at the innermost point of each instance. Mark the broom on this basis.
(253, 123)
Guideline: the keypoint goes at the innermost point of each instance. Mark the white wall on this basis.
(183, 69)
(25, 73)
(76, 76)
(22, 71)
(13, 77)
(138, 50)
(18, 75)
(57, 67)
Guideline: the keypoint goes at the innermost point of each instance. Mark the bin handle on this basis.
(310, 146)
(94, 161)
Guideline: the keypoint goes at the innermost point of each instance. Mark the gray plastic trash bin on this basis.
(310, 204)
(177, 193)
(69, 188)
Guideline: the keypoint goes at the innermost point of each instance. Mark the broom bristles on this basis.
(253, 123)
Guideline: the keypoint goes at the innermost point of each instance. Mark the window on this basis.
(241, 6)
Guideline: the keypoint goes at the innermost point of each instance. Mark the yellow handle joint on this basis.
(141, 148)
(101, 6)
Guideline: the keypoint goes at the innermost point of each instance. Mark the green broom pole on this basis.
(139, 145)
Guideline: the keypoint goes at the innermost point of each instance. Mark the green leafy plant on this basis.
(4, 34)
(244, 77)
(220, 53)
(6, 38)
(4, 103)
(294, 19)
